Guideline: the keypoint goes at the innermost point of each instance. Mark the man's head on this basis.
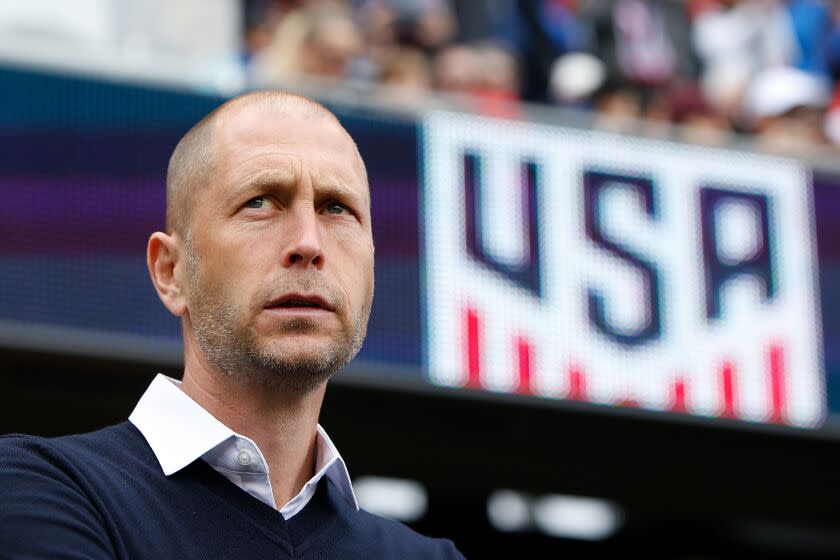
(268, 254)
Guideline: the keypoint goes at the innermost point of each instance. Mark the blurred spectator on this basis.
(811, 23)
(318, 39)
(261, 18)
(645, 46)
(618, 108)
(457, 69)
(540, 31)
(479, 20)
(700, 122)
(575, 77)
(785, 107)
(402, 30)
(426, 24)
(486, 70)
(407, 71)
(737, 38)
(487, 73)
(646, 43)
(499, 73)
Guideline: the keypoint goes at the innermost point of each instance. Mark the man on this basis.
(268, 261)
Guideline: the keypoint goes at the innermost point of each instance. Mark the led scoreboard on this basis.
(590, 266)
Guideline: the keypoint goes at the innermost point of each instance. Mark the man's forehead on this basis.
(255, 122)
(287, 134)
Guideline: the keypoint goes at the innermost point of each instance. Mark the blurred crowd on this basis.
(768, 67)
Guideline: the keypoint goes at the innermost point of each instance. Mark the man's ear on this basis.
(164, 259)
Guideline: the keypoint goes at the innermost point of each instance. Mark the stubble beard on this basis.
(236, 351)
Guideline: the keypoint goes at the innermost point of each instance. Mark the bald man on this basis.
(267, 260)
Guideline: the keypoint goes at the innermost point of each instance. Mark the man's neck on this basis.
(283, 425)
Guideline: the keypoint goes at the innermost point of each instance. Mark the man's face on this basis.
(280, 252)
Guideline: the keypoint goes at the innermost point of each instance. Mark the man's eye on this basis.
(336, 208)
(256, 202)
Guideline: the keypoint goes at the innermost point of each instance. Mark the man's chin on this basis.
(299, 370)
(311, 348)
(304, 343)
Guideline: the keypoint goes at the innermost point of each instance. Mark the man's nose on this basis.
(304, 248)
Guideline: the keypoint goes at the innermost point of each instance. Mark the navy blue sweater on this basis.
(103, 495)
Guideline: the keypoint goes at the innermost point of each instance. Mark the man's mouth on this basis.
(300, 301)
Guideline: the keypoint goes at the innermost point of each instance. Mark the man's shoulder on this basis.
(105, 444)
(405, 540)
(64, 493)
(84, 470)
(73, 443)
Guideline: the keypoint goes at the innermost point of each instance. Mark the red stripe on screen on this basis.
(525, 358)
(727, 378)
(472, 327)
(678, 400)
(577, 384)
(629, 402)
(777, 382)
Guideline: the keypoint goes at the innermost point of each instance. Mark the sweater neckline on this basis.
(318, 524)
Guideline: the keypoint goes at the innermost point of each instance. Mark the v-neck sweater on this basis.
(103, 495)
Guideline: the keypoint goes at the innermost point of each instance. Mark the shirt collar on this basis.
(329, 463)
(179, 431)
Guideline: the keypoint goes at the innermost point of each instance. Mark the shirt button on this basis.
(244, 458)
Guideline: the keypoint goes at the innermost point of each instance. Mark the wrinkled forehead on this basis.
(252, 136)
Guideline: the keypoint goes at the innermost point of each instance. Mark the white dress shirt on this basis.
(179, 431)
